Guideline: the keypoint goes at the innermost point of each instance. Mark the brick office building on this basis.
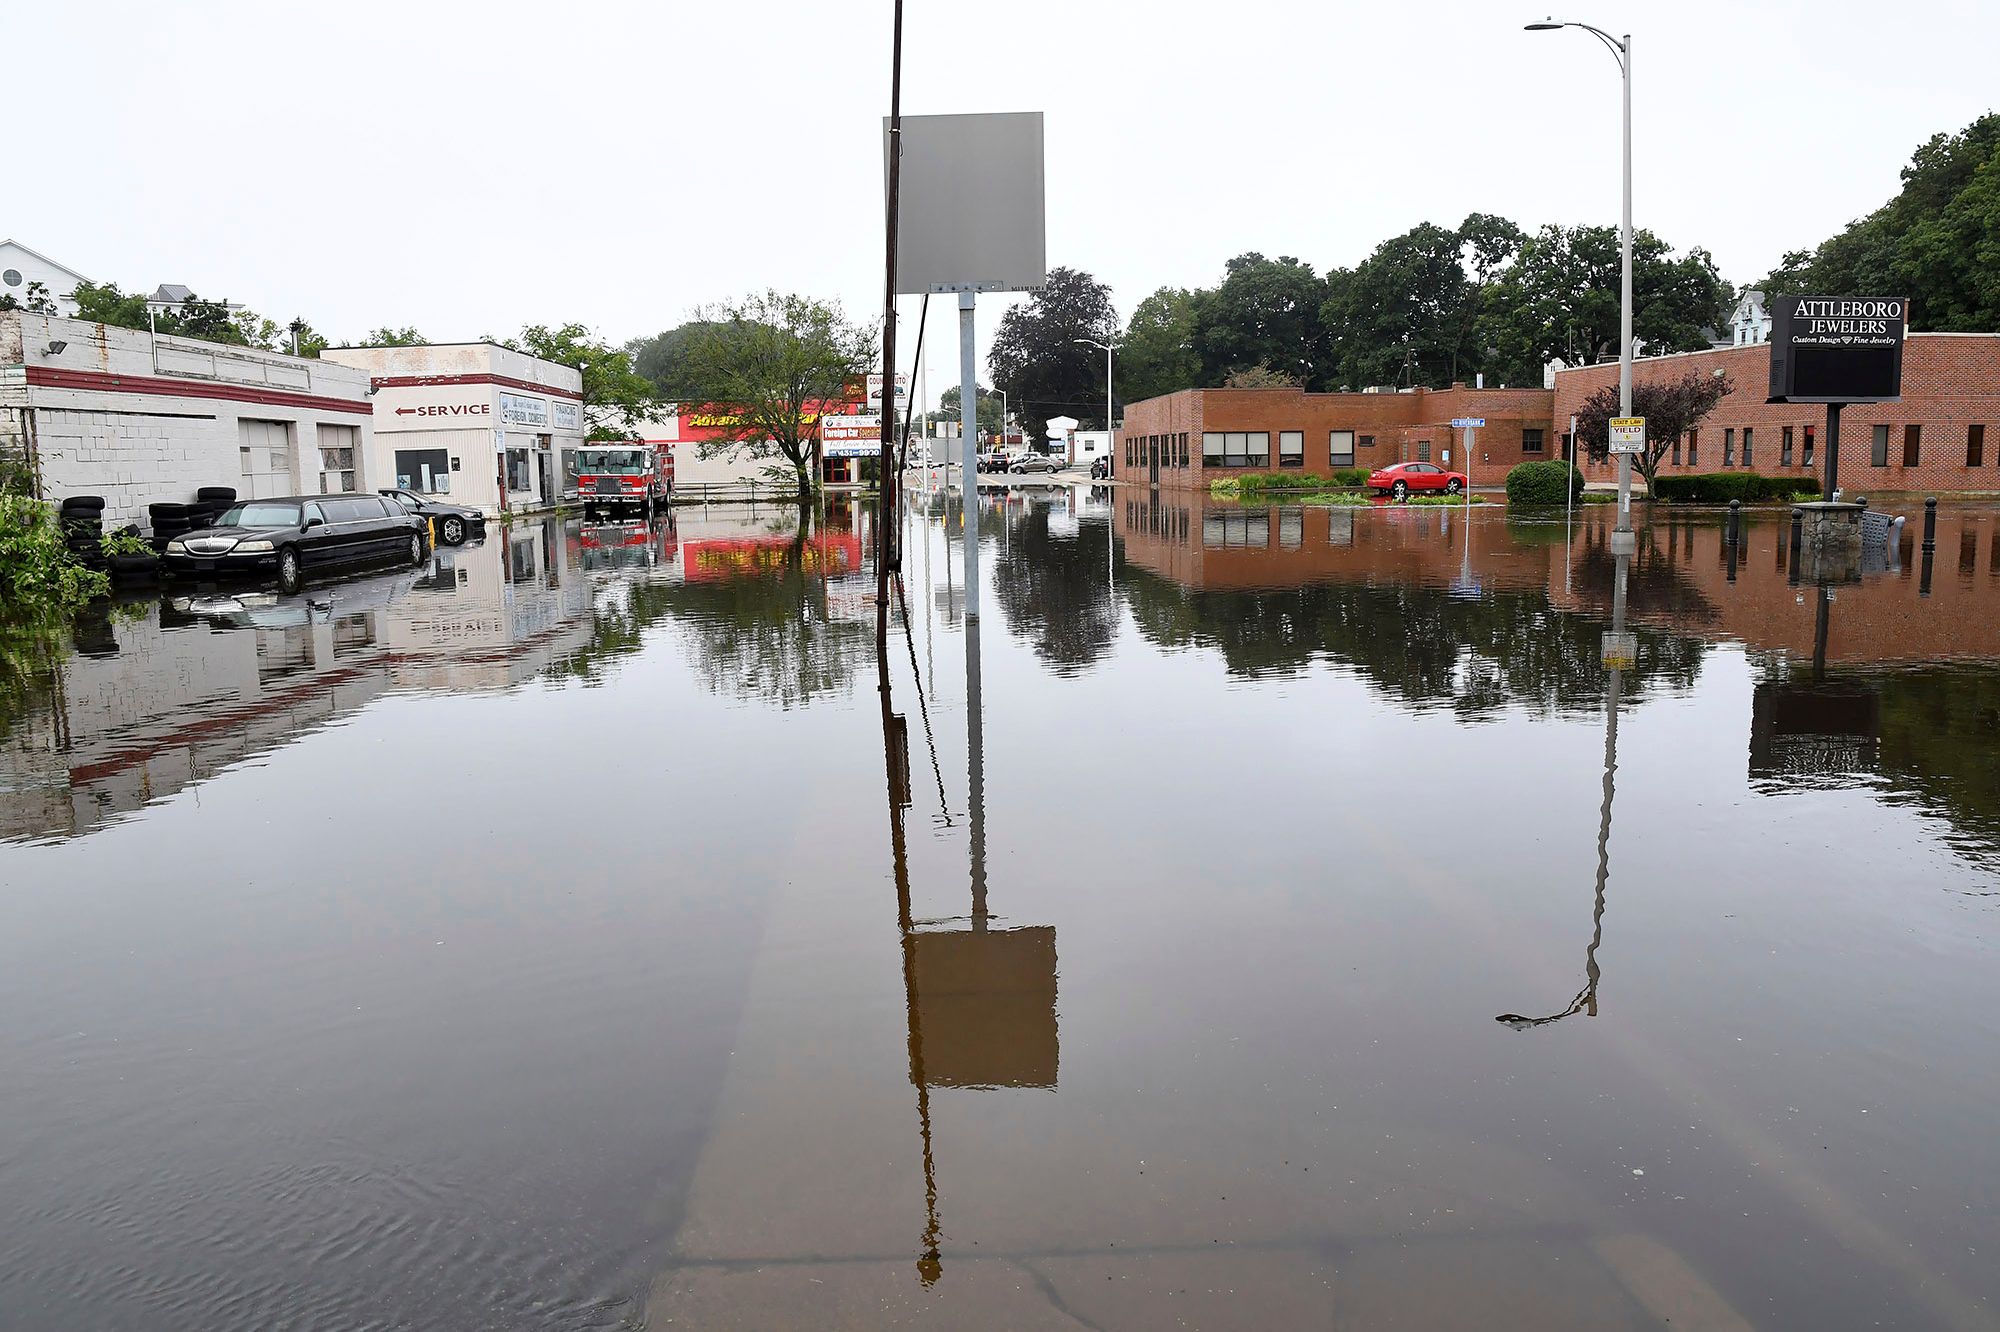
(1943, 436)
(1197, 436)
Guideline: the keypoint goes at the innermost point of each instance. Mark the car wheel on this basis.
(1452, 487)
(452, 529)
(1401, 490)
(288, 570)
(416, 548)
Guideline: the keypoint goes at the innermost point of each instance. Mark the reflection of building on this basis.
(155, 704)
(1190, 439)
(490, 426)
(90, 409)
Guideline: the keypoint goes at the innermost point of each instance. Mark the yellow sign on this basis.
(1628, 434)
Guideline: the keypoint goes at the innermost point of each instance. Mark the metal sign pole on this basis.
(968, 466)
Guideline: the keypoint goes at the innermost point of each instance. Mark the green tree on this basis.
(1559, 299)
(1672, 407)
(615, 397)
(386, 336)
(38, 300)
(662, 359)
(1266, 312)
(762, 369)
(1937, 241)
(1158, 355)
(1037, 359)
(104, 303)
(1259, 376)
(986, 409)
(1403, 312)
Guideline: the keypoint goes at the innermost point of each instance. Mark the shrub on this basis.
(1531, 483)
(1253, 483)
(1722, 487)
(37, 574)
(1350, 476)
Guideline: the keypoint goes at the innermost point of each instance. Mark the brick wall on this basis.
(1403, 427)
(1950, 381)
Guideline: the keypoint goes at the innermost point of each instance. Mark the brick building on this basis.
(1197, 436)
(1943, 436)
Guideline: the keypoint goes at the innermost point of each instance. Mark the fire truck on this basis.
(624, 476)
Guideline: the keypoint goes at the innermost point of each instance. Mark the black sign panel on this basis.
(1837, 348)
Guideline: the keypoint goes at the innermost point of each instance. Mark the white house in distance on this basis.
(491, 427)
(88, 409)
(21, 268)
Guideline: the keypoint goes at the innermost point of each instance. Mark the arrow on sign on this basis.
(404, 411)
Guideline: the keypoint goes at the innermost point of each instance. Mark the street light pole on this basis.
(1621, 51)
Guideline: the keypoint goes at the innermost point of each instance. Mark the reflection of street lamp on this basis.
(1110, 542)
(1621, 51)
(1619, 655)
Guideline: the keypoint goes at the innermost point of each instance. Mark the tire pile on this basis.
(82, 519)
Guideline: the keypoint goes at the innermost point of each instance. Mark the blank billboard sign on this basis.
(971, 203)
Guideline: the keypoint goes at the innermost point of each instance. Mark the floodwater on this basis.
(1287, 921)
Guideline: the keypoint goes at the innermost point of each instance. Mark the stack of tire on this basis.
(209, 502)
(82, 519)
(173, 520)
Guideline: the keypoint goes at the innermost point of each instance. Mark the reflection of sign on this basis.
(518, 410)
(1621, 650)
(1467, 422)
(1837, 349)
(448, 409)
(986, 1003)
(1628, 434)
(567, 415)
(832, 553)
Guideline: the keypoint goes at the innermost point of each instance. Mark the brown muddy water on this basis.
(1287, 921)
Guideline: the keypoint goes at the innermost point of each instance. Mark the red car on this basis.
(1400, 479)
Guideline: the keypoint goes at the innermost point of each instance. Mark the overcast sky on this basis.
(468, 169)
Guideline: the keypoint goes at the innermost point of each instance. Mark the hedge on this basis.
(1722, 487)
(1542, 483)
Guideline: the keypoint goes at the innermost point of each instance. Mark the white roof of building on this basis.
(37, 254)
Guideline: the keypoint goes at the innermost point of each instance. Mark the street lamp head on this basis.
(1546, 25)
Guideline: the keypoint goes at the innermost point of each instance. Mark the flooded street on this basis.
(1266, 920)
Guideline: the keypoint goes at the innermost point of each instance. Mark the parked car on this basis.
(1402, 479)
(453, 523)
(1100, 469)
(299, 535)
(1036, 462)
(993, 460)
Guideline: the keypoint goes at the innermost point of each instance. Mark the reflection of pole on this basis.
(1822, 616)
(929, 1266)
(1617, 660)
(930, 741)
(975, 771)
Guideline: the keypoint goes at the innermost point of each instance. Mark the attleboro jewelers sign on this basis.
(1838, 348)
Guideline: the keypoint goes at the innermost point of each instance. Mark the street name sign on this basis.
(1628, 434)
(1838, 348)
(1468, 422)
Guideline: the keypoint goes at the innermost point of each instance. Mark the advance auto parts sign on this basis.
(1838, 348)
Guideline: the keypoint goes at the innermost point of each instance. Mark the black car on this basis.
(453, 523)
(300, 535)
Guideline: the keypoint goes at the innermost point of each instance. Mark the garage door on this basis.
(336, 458)
(265, 453)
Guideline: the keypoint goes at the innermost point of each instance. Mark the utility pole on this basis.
(886, 474)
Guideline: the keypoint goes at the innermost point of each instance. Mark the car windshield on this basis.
(611, 462)
(260, 513)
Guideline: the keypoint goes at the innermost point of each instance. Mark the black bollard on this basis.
(1930, 532)
(1861, 502)
(1731, 546)
(1735, 520)
(1924, 579)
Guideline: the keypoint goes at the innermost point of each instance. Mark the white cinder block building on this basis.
(87, 409)
(489, 426)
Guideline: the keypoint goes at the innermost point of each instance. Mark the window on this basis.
(1677, 449)
(1878, 453)
(1785, 446)
(1184, 448)
(1729, 447)
(1211, 449)
(1367, 441)
(1912, 437)
(518, 477)
(1694, 448)
(313, 511)
(1340, 447)
(1975, 445)
(1291, 448)
(1424, 449)
(1747, 462)
(264, 459)
(1531, 441)
(1241, 448)
(1811, 438)
(1260, 448)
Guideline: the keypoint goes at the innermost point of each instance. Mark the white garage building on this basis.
(87, 409)
(489, 426)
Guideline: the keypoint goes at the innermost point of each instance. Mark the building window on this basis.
(1975, 445)
(1367, 441)
(1340, 448)
(519, 479)
(1729, 447)
(1423, 450)
(1531, 441)
(1260, 448)
(1785, 446)
(1184, 448)
(1878, 454)
(336, 459)
(1912, 436)
(1747, 461)
(1694, 448)
(1676, 451)
(1291, 448)
(1211, 448)
(1812, 437)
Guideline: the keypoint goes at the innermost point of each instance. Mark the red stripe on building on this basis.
(99, 381)
(504, 381)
